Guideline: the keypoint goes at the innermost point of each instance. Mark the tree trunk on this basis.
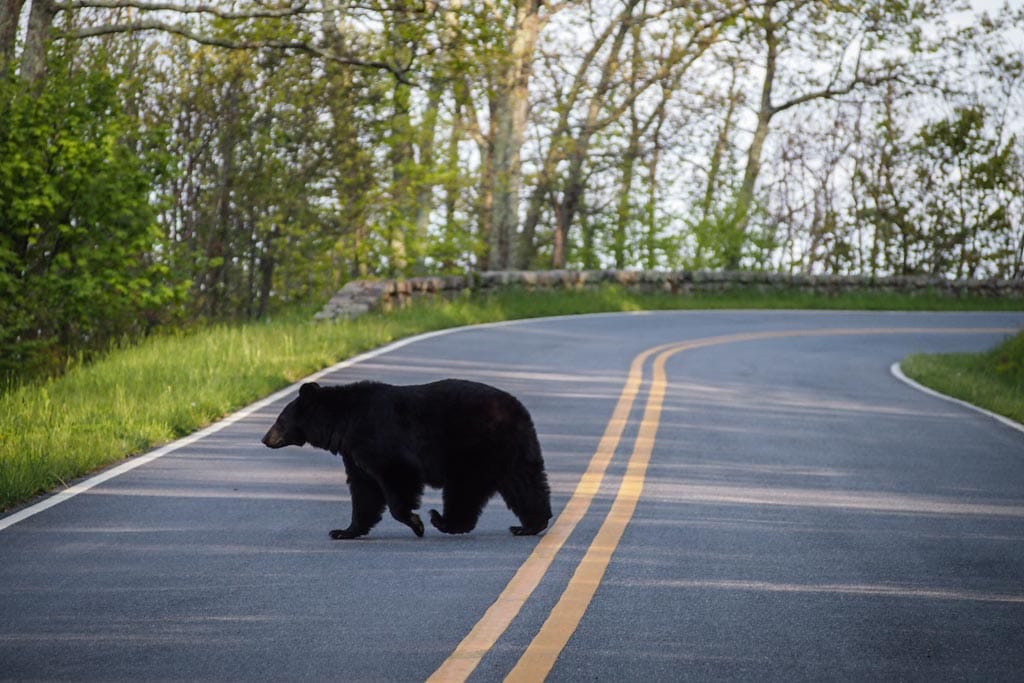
(10, 12)
(565, 213)
(425, 179)
(219, 249)
(526, 249)
(485, 208)
(721, 147)
(37, 40)
(1018, 260)
(266, 273)
(452, 187)
(624, 213)
(511, 106)
(400, 219)
(765, 112)
(651, 241)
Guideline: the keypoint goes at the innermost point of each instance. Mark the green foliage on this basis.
(717, 238)
(944, 198)
(249, 225)
(80, 248)
(967, 178)
(282, 173)
(1008, 360)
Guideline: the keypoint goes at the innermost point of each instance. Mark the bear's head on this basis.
(290, 427)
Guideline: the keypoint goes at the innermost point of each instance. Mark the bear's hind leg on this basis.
(463, 503)
(526, 493)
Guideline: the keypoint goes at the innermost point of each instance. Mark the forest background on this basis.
(164, 162)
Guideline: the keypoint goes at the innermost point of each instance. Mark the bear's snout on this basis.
(274, 438)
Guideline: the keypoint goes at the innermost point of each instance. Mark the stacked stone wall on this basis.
(361, 296)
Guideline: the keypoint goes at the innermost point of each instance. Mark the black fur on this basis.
(469, 439)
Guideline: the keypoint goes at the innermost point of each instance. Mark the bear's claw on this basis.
(416, 524)
(438, 521)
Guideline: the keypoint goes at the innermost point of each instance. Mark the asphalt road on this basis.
(799, 515)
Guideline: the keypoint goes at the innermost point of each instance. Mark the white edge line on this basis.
(897, 372)
(138, 461)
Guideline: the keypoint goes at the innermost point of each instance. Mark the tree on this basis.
(602, 89)
(10, 12)
(248, 219)
(80, 263)
(299, 28)
(968, 180)
(508, 110)
(315, 142)
(848, 35)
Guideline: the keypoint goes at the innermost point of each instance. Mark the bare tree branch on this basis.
(145, 24)
(831, 91)
(220, 13)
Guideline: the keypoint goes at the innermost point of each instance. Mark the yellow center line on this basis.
(496, 619)
(540, 656)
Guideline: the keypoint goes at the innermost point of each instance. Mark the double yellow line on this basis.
(540, 656)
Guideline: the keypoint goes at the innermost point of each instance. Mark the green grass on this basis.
(992, 379)
(170, 385)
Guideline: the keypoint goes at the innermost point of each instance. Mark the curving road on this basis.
(738, 495)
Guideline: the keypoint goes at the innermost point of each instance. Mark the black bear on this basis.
(472, 440)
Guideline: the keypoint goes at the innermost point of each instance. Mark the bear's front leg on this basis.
(413, 521)
(401, 505)
(402, 484)
(367, 502)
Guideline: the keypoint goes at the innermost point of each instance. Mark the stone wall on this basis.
(360, 296)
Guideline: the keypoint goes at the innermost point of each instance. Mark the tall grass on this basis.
(992, 379)
(170, 385)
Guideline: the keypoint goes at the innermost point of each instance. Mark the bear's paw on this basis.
(527, 530)
(344, 534)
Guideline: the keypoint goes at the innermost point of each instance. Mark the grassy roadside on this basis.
(170, 385)
(992, 379)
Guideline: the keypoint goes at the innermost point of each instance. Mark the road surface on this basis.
(738, 496)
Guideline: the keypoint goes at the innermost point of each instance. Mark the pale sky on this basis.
(992, 5)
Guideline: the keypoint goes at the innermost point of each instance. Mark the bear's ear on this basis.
(308, 389)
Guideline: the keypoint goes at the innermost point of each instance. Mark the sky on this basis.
(993, 5)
